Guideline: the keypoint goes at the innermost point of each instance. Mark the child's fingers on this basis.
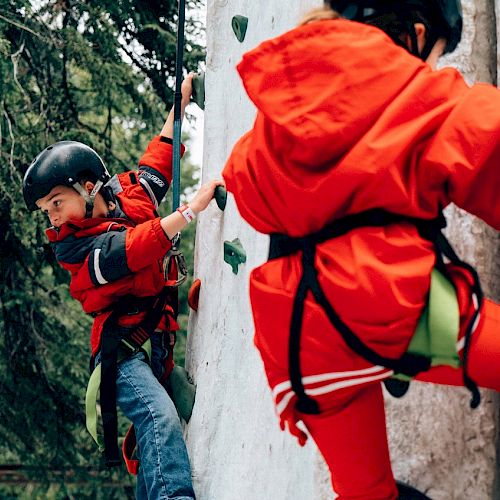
(218, 182)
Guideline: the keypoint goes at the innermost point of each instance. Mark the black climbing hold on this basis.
(240, 24)
(407, 492)
(396, 388)
(234, 254)
(220, 196)
(198, 94)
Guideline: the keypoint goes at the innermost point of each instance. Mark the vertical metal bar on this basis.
(176, 161)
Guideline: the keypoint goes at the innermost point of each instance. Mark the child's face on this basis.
(62, 204)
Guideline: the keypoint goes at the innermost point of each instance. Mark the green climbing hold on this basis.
(220, 196)
(240, 24)
(234, 254)
(198, 94)
(183, 392)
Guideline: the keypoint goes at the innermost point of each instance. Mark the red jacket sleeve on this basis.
(145, 244)
(158, 156)
(465, 153)
(115, 255)
(155, 168)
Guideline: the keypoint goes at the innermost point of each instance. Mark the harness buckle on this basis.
(179, 261)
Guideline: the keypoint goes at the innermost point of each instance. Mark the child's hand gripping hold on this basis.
(174, 223)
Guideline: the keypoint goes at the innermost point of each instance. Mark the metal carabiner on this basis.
(180, 263)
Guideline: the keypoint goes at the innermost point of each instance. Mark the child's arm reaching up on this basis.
(174, 223)
(186, 91)
(155, 166)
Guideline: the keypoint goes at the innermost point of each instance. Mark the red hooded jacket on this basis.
(120, 255)
(348, 121)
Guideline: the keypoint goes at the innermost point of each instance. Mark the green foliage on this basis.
(97, 72)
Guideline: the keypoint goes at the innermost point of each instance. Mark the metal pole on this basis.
(176, 163)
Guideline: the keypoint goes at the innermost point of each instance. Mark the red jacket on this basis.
(121, 254)
(348, 121)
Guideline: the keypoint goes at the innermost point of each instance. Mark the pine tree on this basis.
(99, 72)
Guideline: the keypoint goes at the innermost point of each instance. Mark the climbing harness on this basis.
(410, 363)
(118, 343)
(175, 255)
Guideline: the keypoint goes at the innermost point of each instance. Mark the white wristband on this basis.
(187, 212)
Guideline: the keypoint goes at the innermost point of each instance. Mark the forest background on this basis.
(100, 72)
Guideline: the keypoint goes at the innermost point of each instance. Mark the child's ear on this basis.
(88, 186)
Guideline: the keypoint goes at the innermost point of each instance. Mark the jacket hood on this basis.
(344, 120)
(325, 79)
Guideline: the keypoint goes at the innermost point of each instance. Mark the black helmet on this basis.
(64, 163)
(449, 13)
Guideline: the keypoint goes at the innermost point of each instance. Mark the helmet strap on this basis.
(88, 197)
(430, 41)
(414, 40)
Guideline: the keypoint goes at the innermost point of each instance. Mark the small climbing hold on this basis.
(396, 388)
(183, 392)
(220, 196)
(407, 492)
(194, 294)
(240, 24)
(234, 254)
(198, 94)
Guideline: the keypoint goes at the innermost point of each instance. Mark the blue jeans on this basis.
(164, 471)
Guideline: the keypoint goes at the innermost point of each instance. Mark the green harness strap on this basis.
(436, 335)
(91, 406)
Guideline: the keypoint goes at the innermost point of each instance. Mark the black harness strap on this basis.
(443, 247)
(109, 361)
(113, 337)
(409, 364)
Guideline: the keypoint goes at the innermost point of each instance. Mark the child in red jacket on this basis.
(358, 145)
(107, 233)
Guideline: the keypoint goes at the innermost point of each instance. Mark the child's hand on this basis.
(187, 89)
(204, 195)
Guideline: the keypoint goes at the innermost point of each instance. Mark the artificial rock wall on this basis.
(237, 450)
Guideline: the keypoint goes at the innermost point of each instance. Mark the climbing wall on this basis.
(236, 447)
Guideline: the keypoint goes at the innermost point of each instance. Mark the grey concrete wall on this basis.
(236, 448)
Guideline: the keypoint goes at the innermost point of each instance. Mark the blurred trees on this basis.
(100, 72)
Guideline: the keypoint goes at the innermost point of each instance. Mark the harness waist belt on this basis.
(410, 364)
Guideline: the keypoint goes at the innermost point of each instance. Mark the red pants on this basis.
(351, 435)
